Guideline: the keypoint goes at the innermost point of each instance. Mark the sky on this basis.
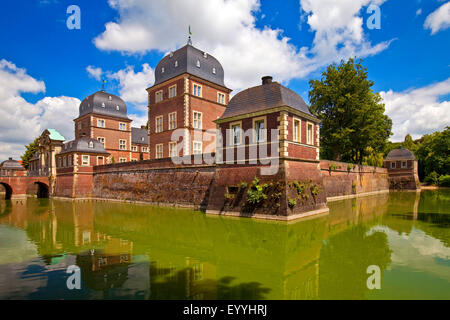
(47, 68)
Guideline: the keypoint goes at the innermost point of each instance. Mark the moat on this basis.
(128, 251)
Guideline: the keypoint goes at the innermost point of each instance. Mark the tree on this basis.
(352, 113)
(433, 154)
(30, 150)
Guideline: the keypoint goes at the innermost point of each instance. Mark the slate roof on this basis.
(263, 97)
(139, 136)
(186, 59)
(400, 153)
(11, 164)
(82, 145)
(104, 103)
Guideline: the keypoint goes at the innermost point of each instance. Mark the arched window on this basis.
(198, 63)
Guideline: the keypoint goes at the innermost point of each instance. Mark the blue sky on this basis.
(44, 65)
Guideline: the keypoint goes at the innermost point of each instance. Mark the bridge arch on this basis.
(8, 190)
(42, 190)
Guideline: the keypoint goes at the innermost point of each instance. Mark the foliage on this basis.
(243, 185)
(301, 190)
(431, 179)
(292, 203)
(352, 113)
(229, 196)
(433, 153)
(332, 166)
(375, 159)
(315, 190)
(30, 150)
(444, 181)
(255, 195)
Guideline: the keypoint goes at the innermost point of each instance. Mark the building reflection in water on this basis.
(130, 251)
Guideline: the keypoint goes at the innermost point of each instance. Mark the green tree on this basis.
(433, 153)
(30, 150)
(352, 113)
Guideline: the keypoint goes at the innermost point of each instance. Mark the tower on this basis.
(103, 117)
(188, 95)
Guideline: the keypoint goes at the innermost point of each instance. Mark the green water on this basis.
(139, 252)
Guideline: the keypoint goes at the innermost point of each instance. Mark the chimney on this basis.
(267, 80)
(143, 127)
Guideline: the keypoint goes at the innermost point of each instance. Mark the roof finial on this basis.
(189, 38)
(103, 84)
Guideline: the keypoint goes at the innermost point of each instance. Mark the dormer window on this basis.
(117, 108)
(176, 63)
(103, 104)
(214, 70)
(171, 54)
(91, 145)
(110, 98)
(142, 138)
(162, 70)
(198, 63)
(205, 55)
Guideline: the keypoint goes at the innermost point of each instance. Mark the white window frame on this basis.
(199, 121)
(221, 94)
(294, 137)
(101, 121)
(158, 154)
(134, 148)
(159, 96)
(103, 140)
(125, 126)
(157, 129)
(232, 125)
(172, 122)
(173, 149)
(309, 139)
(85, 163)
(122, 160)
(145, 149)
(171, 95)
(200, 88)
(196, 150)
(124, 145)
(259, 119)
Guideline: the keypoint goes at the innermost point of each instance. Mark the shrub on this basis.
(432, 178)
(332, 166)
(255, 195)
(292, 203)
(243, 185)
(444, 181)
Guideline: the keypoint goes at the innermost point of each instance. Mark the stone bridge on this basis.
(17, 187)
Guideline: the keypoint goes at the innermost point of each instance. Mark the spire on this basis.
(189, 38)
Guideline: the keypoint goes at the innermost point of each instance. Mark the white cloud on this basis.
(227, 29)
(94, 72)
(132, 84)
(419, 12)
(22, 121)
(439, 19)
(418, 111)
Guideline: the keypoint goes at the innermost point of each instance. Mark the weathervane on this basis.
(103, 84)
(189, 38)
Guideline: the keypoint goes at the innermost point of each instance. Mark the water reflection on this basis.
(137, 252)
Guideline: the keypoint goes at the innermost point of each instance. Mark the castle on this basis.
(255, 154)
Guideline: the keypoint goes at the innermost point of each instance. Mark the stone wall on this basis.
(344, 179)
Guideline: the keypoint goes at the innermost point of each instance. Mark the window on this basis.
(110, 98)
(159, 124)
(101, 140)
(403, 164)
(144, 149)
(197, 147)
(117, 108)
(220, 98)
(172, 120)
(214, 70)
(100, 123)
(197, 90)
(173, 152)
(176, 63)
(103, 104)
(79, 125)
(310, 133)
(259, 125)
(91, 145)
(122, 126)
(100, 161)
(162, 70)
(392, 165)
(122, 144)
(236, 134)
(173, 91)
(159, 151)
(122, 160)
(197, 120)
(198, 63)
(71, 161)
(85, 160)
(159, 96)
(297, 130)
(59, 162)
(64, 161)
(134, 148)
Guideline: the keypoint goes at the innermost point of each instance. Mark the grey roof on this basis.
(82, 145)
(401, 153)
(104, 103)
(263, 97)
(139, 136)
(11, 165)
(187, 58)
